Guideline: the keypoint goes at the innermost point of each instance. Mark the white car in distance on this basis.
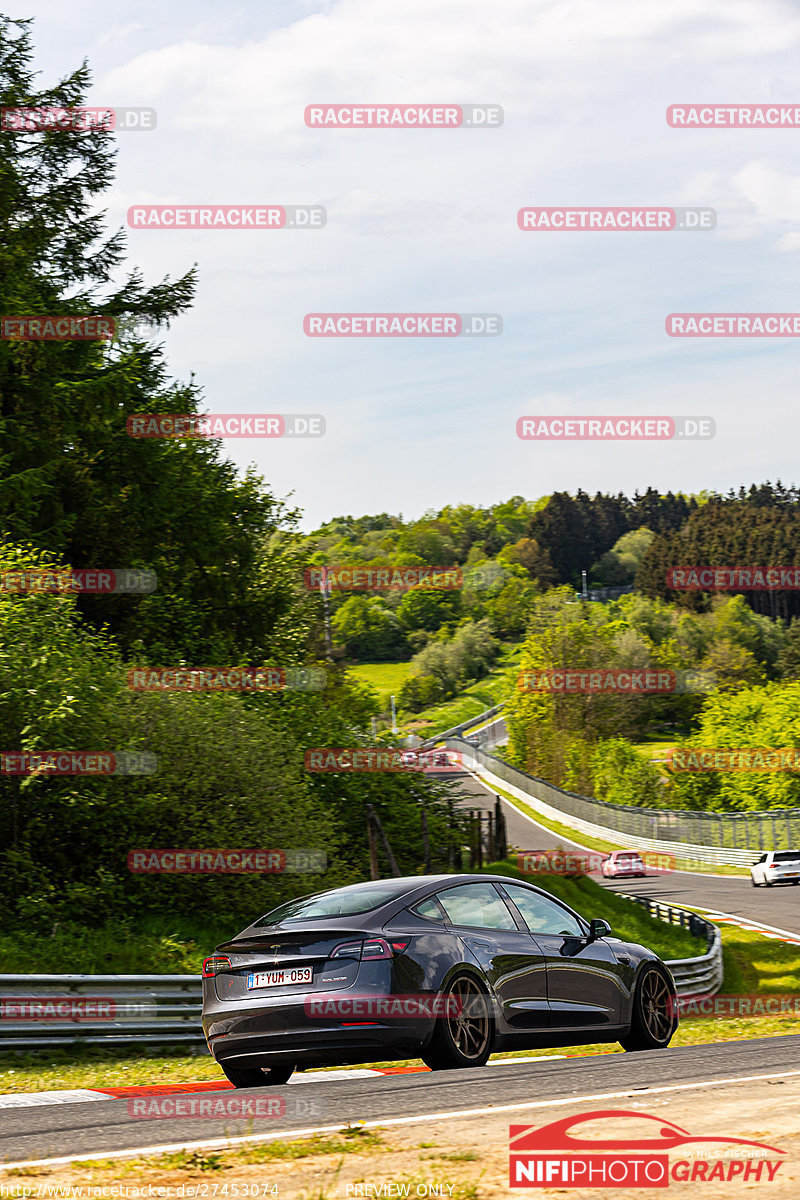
(776, 866)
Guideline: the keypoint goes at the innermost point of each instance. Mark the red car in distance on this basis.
(624, 864)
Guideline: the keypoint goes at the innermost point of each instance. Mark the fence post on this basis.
(500, 837)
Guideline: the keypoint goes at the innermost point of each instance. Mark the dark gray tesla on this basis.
(356, 974)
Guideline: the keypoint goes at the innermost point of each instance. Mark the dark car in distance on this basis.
(449, 968)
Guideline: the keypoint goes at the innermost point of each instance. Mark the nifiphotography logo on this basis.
(556, 1157)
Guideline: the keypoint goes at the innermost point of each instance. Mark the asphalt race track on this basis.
(777, 906)
(101, 1127)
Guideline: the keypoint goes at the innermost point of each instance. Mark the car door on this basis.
(510, 957)
(584, 979)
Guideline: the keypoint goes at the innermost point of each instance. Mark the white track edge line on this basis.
(417, 1119)
(758, 926)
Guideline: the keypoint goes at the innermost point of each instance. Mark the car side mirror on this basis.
(598, 929)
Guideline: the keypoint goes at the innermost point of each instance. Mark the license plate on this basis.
(289, 975)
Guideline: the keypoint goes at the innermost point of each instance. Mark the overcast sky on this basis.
(425, 221)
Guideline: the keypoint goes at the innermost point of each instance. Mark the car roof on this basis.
(406, 899)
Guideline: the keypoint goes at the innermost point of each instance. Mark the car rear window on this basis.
(343, 902)
(786, 856)
(429, 909)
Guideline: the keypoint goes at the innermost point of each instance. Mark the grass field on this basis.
(386, 678)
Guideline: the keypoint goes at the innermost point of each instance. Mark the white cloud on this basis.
(426, 221)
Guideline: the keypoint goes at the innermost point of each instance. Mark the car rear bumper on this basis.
(244, 1033)
(289, 1035)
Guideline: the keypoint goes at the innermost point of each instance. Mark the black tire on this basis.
(654, 1016)
(464, 1040)
(253, 1077)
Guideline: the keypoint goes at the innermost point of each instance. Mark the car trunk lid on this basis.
(284, 963)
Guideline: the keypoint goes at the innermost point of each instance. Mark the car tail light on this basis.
(215, 965)
(380, 948)
(346, 950)
(370, 950)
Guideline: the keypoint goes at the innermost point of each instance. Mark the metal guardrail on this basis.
(700, 976)
(733, 839)
(464, 726)
(114, 1010)
(159, 1010)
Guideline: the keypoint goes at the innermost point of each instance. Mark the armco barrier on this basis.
(159, 1010)
(733, 839)
(701, 976)
(464, 726)
(147, 1010)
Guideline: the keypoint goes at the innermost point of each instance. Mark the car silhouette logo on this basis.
(558, 1136)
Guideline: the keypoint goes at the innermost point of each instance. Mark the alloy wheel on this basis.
(470, 1028)
(656, 1002)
